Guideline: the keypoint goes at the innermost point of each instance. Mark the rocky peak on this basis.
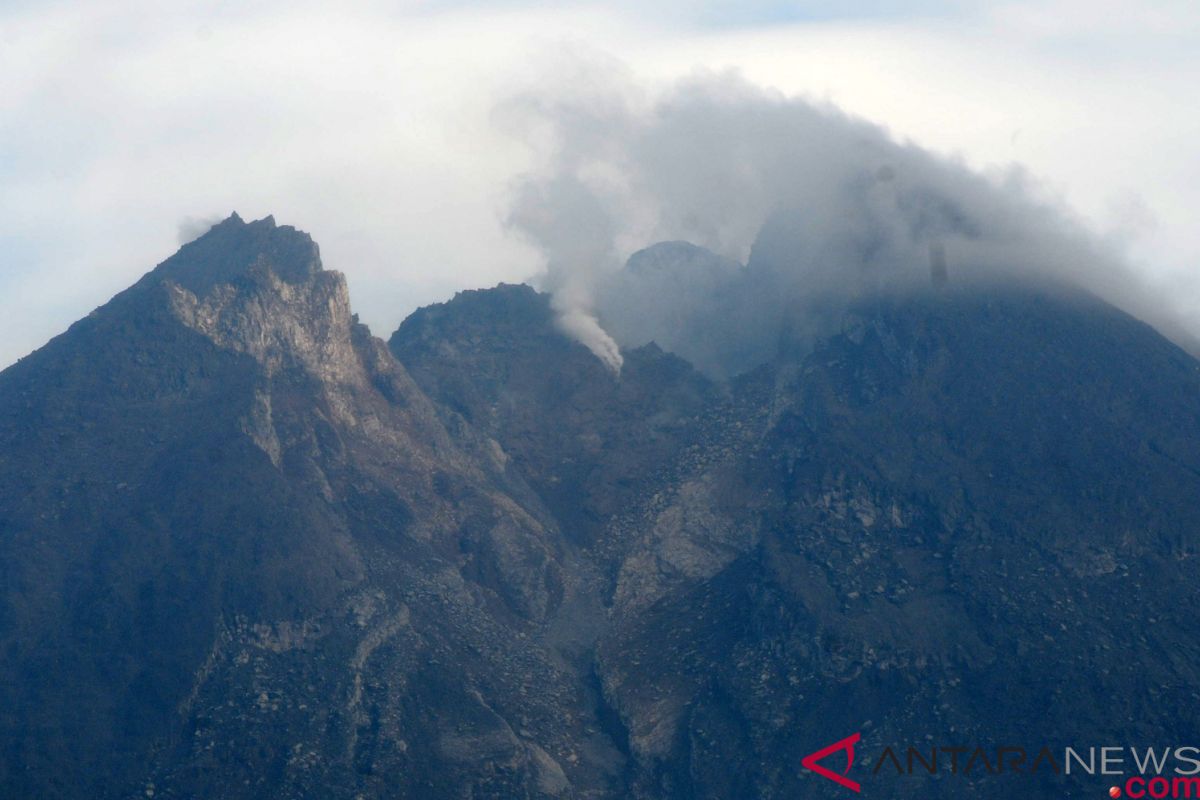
(260, 289)
(680, 259)
(234, 249)
(670, 293)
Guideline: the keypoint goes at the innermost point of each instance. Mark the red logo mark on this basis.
(847, 744)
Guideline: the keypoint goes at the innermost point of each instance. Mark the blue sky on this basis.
(372, 125)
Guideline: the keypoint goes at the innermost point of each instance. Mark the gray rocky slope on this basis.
(248, 550)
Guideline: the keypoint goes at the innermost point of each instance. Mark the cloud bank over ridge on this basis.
(819, 206)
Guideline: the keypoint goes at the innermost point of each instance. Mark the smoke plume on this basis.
(791, 209)
(192, 228)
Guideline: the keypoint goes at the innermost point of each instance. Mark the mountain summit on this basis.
(248, 550)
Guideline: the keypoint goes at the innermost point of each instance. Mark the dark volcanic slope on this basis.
(242, 557)
(980, 525)
(973, 515)
(246, 550)
(587, 440)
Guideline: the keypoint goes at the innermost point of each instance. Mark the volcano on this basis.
(248, 550)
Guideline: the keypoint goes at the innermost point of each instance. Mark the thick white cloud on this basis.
(372, 125)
